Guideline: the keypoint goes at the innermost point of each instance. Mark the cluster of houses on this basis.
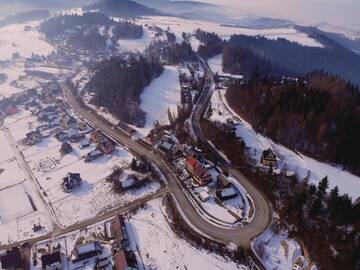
(85, 252)
(105, 146)
(124, 257)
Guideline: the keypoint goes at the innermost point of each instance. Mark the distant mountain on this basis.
(25, 17)
(122, 8)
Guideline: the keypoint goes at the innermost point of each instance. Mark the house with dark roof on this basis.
(51, 260)
(71, 182)
(107, 147)
(92, 155)
(268, 158)
(65, 148)
(11, 260)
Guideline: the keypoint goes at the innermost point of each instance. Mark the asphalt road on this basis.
(263, 210)
(241, 236)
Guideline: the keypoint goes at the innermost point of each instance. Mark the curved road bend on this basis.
(263, 210)
(240, 236)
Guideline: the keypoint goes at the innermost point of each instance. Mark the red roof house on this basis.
(200, 175)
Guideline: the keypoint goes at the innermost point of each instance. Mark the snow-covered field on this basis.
(179, 25)
(150, 228)
(277, 251)
(215, 64)
(137, 45)
(162, 94)
(298, 163)
(14, 38)
(20, 205)
(95, 196)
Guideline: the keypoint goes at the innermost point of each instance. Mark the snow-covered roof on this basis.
(125, 183)
(228, 192)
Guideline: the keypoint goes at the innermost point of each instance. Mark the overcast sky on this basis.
(343, 12)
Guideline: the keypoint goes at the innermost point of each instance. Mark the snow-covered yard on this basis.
(150, 228)
(294, 162)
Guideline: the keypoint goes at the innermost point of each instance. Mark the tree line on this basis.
(119, 82)
(319, 115)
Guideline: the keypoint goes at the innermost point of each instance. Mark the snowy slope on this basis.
(13, 39)
(298, 163)
(162, 249)
(161, 94)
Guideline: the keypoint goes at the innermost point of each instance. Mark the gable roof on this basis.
(50, 258)
(11, 260)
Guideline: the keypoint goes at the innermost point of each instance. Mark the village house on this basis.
(71, 182)
(92, 155)
(68, 122)
(268, 158)
(11, 260)
(107, 147)
(103, 264)
(83, 126)
(16, 258)
(118, 230)
(226, 193)
(66, 148)
(200, 175)
(77, 137)
(33, 137)
(52, 260)
(96, 136)
(86, 251)
(125, 260)
(84, 143)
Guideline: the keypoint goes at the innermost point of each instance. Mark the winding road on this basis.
(241, 236)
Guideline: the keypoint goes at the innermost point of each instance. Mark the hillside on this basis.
(298, 59)
(121, 8)
(91, 31)
(117, 84)
(320, 117)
